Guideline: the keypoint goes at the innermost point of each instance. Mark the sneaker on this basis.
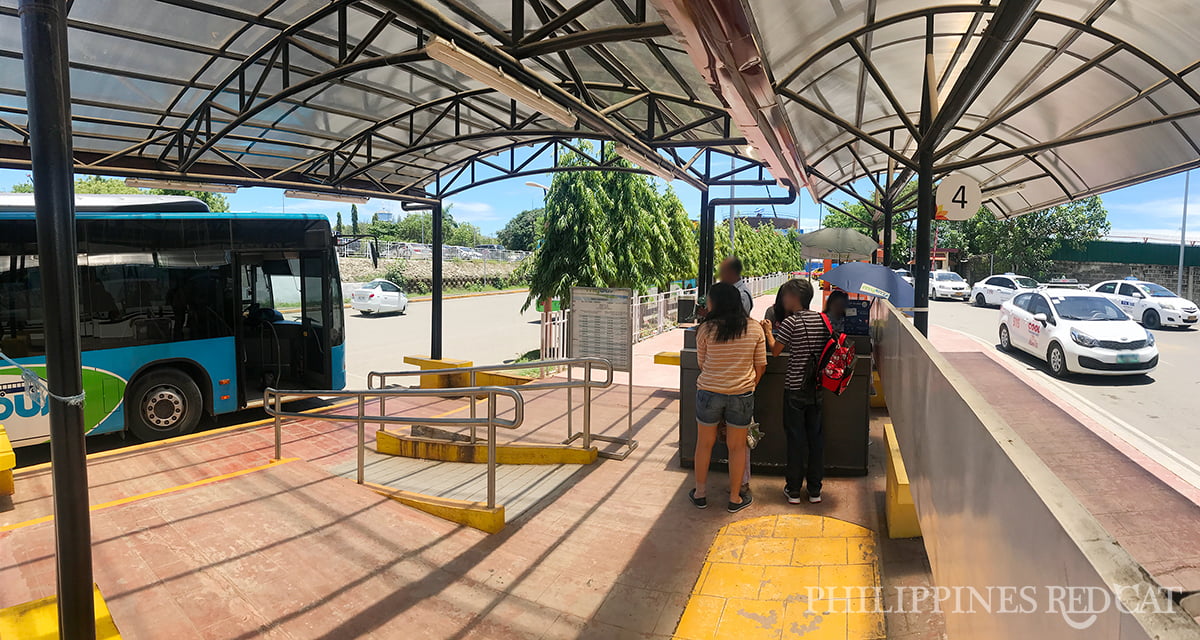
(735, 507)
(745, 490)
(814, 498)
(699, 503)
(793, 497)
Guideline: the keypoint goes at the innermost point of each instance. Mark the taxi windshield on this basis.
(1087, 308)
(1026, 283)
(949, 275)
(1157, 290)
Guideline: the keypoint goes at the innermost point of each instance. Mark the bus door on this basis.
(284, 341)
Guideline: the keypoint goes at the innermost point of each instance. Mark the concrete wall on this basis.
(995, 517)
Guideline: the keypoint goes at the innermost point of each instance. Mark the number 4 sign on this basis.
(958, 198)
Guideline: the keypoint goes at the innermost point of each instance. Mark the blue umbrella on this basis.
(873, 280)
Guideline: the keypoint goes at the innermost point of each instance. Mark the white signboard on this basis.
(958, 198)
(601, 325)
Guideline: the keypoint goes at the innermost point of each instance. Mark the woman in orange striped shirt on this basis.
(732, 353)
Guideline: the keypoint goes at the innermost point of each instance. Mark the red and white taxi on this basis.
(1077, 332)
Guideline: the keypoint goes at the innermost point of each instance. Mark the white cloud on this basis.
(473, 211)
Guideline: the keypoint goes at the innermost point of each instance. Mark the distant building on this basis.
(778, 222)
(383, 216)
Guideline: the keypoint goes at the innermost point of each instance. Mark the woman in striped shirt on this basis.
(732, 355)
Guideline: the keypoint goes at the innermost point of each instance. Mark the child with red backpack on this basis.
(818, 356)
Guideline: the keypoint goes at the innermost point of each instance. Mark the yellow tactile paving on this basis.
(787, 577)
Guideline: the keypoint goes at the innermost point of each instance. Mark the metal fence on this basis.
(658, 313)
(417, 251)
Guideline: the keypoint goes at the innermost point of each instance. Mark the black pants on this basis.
(805, 440)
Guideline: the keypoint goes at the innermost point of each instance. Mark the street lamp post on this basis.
(1187, 178)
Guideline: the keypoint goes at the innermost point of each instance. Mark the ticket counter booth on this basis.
(846, 417)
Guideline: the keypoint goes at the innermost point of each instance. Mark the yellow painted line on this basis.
(787, 577)
(155, 493)
(177, 439)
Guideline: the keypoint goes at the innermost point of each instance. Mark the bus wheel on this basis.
(163, 403)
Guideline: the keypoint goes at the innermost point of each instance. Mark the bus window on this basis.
(129, 299)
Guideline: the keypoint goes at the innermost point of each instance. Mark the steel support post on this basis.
(707, 248)
(48, 96)
(888, 215)
(435, 329)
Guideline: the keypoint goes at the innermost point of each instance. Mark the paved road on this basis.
(487, 329)
(1164, 404)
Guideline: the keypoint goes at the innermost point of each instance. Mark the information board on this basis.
(601, 325)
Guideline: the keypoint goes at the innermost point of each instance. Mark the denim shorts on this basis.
(737, 411)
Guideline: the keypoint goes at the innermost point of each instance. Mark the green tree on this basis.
(575, 248)
(374, 218)
(523, 231)
(1026, 243)
(101, 185)
(339, 222)
(682, 238)
(354, 219)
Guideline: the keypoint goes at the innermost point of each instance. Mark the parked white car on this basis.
(996, 290)
(1151, 304)
(1076, 332)
(947, 284)
(379, 296)
(905, 275)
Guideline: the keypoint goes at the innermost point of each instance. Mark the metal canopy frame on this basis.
(1046, 52)
(340, 96)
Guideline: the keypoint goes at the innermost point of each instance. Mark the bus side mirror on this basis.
(373, 251)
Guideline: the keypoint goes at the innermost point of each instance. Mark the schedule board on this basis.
(601, 325)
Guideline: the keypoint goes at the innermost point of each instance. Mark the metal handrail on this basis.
(273, 399)
(586, 383)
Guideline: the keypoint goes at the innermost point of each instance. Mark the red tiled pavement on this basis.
(292, 552)
(1159, 527)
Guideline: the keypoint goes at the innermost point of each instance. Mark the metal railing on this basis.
(389, 249)
(274, 398)
(379, 380)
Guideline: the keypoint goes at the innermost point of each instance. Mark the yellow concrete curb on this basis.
(787, 576)
(476, 515)
(900, 511)
(38, 620)
(397, 444)
(667, 357)
(8, 460)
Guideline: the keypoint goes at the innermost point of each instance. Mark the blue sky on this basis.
(1148, 211)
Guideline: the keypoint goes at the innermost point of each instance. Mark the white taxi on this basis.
(1076, 332)
(947, 284)
(1151, 304)
(379, 296)
(997, 290)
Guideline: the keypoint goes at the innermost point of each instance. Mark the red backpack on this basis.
(837, 360)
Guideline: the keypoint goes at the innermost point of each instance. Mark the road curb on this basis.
(479, 294)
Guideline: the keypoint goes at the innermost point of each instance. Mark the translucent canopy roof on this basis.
(1079, 96)
(340, 95)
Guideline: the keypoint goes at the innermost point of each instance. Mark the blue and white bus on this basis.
(183, 312)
